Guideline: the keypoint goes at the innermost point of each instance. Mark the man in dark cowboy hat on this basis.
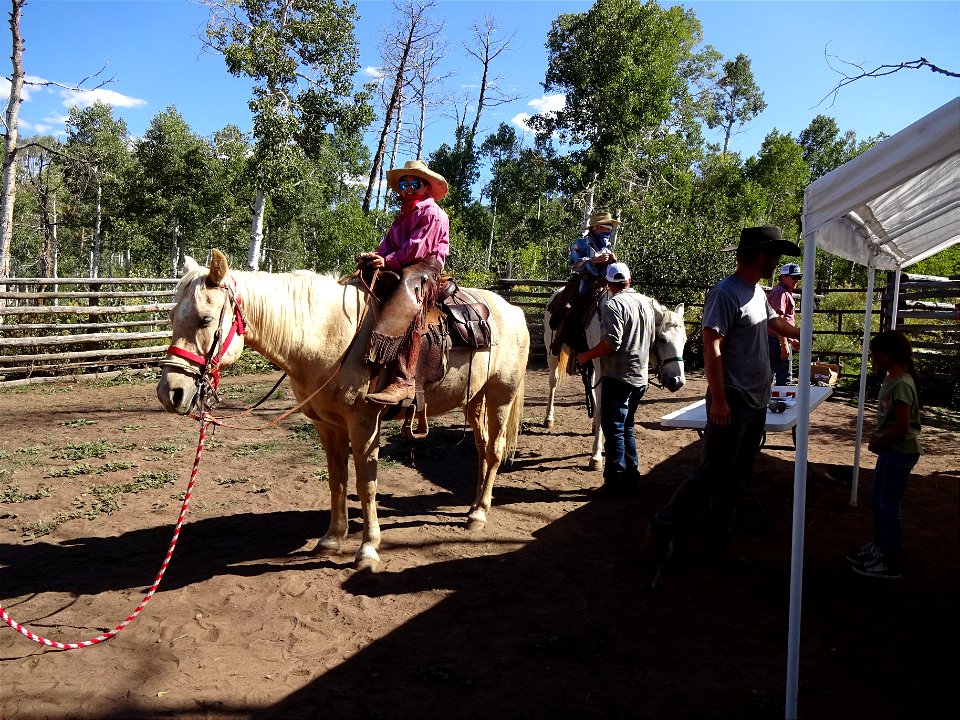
(736, 316)
(418, 241)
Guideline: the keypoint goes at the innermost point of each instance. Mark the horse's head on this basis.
(208, 328)
(668, 344)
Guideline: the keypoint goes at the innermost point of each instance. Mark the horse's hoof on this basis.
(595, 464)
(476, 520)
(548, 423)
(367, 558)
(327, 546)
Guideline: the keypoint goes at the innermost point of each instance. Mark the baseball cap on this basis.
(618, 272)
(791, 269)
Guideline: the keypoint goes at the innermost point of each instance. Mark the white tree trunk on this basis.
(96, 244)
(256, 231)
(8, 192)
(174, 250)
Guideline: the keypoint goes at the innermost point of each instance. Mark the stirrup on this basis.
(422, 429)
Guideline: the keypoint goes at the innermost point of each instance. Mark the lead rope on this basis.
(39, 639)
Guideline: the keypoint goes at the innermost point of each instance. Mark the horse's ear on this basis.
(189, 265)
(679, 310)
(218, 267)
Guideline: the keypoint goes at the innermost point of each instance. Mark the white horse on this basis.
(317, 331)
(666, 356)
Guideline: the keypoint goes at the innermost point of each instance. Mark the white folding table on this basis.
(695, 416)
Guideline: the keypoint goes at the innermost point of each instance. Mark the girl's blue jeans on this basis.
(886, 500)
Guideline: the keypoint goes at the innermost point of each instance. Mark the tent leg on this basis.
(864, 360)
(896, 300)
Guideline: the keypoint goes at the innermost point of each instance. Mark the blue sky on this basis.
(154, 52)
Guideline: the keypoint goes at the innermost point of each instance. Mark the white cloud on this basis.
(544, 105)
(549, 103)
(86, 98)
(520, 120)
(374, 72)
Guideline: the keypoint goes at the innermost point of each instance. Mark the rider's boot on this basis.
(402, 386)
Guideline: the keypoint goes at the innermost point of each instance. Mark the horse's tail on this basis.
(562, 362)
(514, 420)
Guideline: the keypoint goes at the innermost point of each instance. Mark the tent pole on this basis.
(896, 299)
(864, 360)
(800, 474)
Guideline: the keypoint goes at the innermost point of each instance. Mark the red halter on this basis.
(211, 363)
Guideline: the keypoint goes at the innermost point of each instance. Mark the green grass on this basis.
(255, 449)
(231, 480)
(98, 448)
(87, 469)
(77, 422)
(100, 500)
(13, 494)
(166, 448)
(131, 428)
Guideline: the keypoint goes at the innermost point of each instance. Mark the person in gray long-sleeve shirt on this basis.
(627, 326)
(736, 316)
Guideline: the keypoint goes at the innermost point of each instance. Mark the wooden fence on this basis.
(69, 326)
(928, 312)
(931, 324)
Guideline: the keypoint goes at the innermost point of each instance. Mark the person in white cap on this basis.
(783, 304)
(627, 327)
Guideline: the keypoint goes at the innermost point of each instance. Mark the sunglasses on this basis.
(412, 184)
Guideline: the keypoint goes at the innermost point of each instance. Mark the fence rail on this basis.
(105, 324)
(101, 330)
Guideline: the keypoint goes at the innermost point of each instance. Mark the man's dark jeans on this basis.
(618, 406)
(780, 367)
(726, 465)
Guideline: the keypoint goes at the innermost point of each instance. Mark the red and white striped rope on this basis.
(156, 583)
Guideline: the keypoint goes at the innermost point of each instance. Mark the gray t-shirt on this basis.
(627, 323)
(739, 312)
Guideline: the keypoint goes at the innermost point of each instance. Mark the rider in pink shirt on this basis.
(420, 235)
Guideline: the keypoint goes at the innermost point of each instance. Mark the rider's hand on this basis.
(370, 259)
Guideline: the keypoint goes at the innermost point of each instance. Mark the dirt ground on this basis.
(547, 612)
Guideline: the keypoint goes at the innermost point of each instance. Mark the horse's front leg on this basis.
(553, 365)
(596, 455)
(489, 422)
(365, 441)
(337, 449)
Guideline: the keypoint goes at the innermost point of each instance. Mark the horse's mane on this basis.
(282, 306)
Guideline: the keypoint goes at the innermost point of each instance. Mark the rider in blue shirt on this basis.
(592, 252)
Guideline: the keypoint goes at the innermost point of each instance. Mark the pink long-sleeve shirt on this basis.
(424, 232)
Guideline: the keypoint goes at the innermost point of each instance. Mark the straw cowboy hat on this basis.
(768, 237)
(419, 169)
(602, 217)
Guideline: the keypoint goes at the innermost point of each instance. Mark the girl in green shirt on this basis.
(896, 443)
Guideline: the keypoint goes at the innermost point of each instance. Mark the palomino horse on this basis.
(317, 330)
(666, 356)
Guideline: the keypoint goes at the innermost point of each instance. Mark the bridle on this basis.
(208, 366)
(661, 361)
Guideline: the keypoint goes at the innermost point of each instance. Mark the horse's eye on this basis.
(205, 322)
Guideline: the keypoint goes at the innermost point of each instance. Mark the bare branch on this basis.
(77, 87)
(879, 71)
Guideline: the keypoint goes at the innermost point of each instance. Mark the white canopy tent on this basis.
(888, 208)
